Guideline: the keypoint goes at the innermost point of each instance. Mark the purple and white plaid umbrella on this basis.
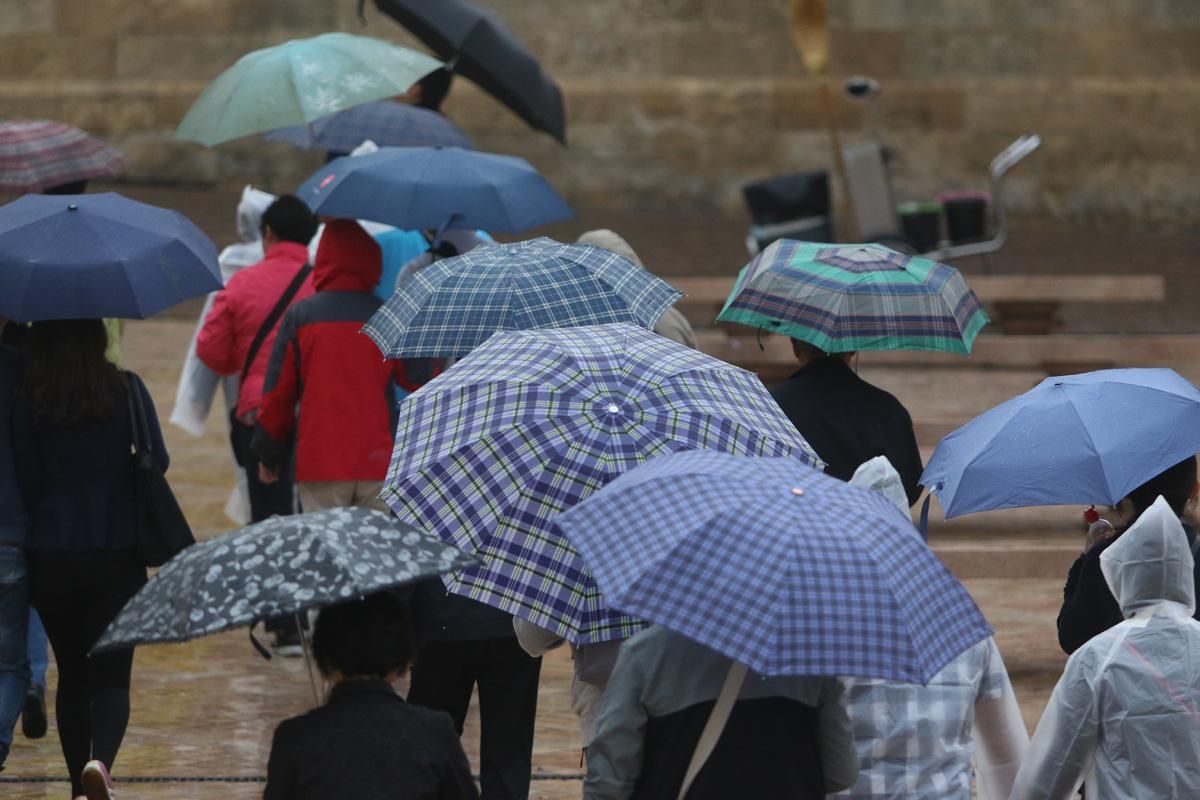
(776, 566)
(533, 421)
(39, 154)
(385, 122)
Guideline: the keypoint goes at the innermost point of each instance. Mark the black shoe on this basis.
(33, 716)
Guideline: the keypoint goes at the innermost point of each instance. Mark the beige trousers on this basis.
(319, 495)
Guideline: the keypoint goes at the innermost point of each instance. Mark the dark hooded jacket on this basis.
(335, 374)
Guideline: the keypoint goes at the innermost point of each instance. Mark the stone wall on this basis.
(677, 102)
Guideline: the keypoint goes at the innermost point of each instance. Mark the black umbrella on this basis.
(478, 46)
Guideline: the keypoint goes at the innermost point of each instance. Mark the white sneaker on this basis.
(97, 785)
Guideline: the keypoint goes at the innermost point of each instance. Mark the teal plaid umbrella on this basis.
(452, 306)
(843, 298)
(298, 82)
(532, 422)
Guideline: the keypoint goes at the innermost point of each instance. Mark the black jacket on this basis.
(77, 480)
(1089, 607)
(366, 743)
(849, 421)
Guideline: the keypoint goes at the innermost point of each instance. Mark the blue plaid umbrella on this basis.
(776, 566)
(385, 122)
(452, 306)
(530, 423)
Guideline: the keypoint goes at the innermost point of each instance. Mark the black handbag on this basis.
(161, 528)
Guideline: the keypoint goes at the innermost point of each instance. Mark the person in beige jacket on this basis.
(672, 324)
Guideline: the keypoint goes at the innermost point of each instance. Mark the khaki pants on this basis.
(319, 495)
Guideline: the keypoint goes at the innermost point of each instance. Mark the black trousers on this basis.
(266, 499)
(77, 594)
(443, 677)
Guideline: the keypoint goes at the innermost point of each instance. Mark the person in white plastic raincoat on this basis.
(197, 383)
(1125, 715)
(917, 742)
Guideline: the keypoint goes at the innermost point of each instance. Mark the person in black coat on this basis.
(847, 420)
(71, 443)
(1089, 607)
(366, 742)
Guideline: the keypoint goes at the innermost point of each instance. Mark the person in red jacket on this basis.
(238, 313)
(335, 374)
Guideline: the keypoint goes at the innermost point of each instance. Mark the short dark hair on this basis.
(290, 220)
(1174, 484)
(363, 638)
(434, 88)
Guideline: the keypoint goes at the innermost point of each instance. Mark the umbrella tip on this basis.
(798, 491)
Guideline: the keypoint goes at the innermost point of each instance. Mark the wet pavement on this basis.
(207, 709)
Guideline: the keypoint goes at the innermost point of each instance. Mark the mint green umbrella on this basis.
(300, 81)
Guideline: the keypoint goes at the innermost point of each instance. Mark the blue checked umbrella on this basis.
(776, 566)
(530, 423)
(844, 298)
(385, 122)
(452, 306)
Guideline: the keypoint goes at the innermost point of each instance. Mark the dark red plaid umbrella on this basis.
(39, 154)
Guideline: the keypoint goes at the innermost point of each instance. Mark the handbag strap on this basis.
(138, 426)
(715, 724)
(276, 312)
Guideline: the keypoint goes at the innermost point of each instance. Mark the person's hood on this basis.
(880, 475)
(250, 212)
(611, 241)
(348, 259)
(1151, 562)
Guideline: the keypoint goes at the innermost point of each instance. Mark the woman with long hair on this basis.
(71, 444)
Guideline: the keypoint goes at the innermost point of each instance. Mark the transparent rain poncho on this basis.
(197, 383)
(1125, 715)
(919, 741)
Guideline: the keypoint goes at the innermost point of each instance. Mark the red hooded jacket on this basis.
(335, 374)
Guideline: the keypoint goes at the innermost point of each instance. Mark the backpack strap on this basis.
(268, 325)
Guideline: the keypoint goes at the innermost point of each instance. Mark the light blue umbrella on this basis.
(298, 82)
(1075, 439)
(435, 188)
(774, 565)
(452, 306)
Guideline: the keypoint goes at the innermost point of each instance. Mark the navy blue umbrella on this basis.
(385, 122)
(435, 188)
(99, 255)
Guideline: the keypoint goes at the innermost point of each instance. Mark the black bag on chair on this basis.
(162, 529)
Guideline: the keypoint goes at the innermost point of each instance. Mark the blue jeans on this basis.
(14, 619)
(37, 646)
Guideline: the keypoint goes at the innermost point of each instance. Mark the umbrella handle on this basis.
(308, 662)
